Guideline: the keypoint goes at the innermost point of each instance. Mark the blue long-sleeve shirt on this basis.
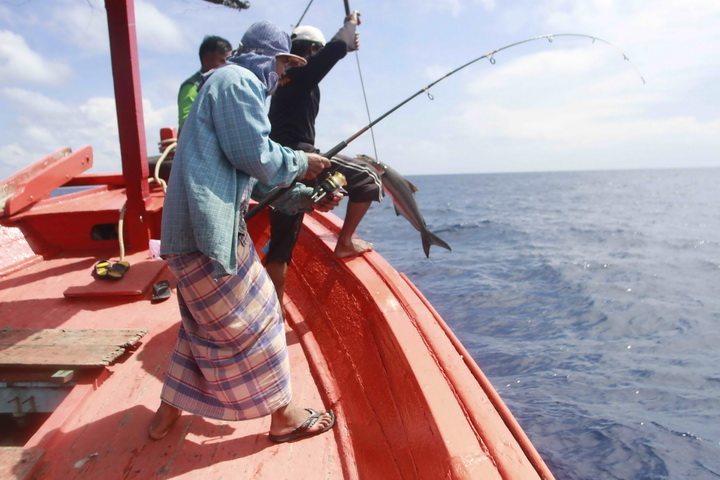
(223, 151)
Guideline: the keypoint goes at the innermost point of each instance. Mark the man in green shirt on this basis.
(214, 51)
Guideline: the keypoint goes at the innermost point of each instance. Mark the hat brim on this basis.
(296, 60)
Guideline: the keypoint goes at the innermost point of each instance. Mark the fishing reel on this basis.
(334, 183)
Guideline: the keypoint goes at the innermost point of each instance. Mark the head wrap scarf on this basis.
(258, 47)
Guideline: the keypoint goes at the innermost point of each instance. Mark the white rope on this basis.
(172, 143)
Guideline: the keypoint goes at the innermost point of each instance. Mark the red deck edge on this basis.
(37, 181)
(490, 391)
(327, 384)
(433, 342)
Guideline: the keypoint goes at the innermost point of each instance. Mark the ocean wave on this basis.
(590, 301)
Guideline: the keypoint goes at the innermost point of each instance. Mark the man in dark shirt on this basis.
(293, 110)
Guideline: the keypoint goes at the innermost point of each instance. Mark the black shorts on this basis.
(363, 185)
(363, 181)
(284, 231)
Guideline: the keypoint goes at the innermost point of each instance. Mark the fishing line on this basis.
(303, 14)
(490, 55)
(362, 86)
(367, 107)
(357, 59)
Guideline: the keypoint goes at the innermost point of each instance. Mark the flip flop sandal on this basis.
(161, 291)
(101, 269)
(302, 430)
(117, 271)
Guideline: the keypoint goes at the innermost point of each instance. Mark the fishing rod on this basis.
(490, 55)
(303, 14)
(237, 4)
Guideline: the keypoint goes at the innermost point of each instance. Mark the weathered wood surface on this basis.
(59, 348)
(17, 462)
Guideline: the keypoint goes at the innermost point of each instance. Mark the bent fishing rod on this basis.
(490, 55)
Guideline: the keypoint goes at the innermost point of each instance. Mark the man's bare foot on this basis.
(291, 422)
(352, 248)
(163, 421)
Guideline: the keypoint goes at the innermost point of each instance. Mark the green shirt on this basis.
(186, 96)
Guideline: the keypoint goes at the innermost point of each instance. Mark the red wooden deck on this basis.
(100, 430)
(410, 401)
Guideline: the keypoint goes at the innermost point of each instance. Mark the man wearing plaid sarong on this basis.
(230, 361)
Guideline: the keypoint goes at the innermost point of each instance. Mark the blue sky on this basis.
(570, 104)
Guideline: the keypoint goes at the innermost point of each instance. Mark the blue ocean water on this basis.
(591, 300)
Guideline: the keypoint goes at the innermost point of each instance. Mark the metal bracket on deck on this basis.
(28, 393)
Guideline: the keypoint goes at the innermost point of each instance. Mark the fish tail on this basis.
(429, 238)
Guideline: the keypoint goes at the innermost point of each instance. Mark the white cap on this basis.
(306, 32)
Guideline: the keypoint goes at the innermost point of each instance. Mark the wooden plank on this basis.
(123, 337)
(69, 349)
(60, 356)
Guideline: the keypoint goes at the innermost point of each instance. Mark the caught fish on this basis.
(402, 193)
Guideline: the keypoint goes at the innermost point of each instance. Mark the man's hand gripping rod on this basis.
(278, 193)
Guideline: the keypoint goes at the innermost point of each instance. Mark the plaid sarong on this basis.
(230, 361)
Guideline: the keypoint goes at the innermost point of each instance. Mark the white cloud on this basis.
(551, 62)
(101, 112)
(660, 31)
(92, 123)
(453, 7)
(156, 31)
(588, 125)
(572, 98)
(155, 119)
(20, 64)
(30, 103)
(12, 157)
(84, 25)
(62, 124)
(81, 24)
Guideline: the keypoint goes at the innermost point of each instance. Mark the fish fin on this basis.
(365, 158)
(397, 212)
(412, 186)
(429, 238)
(371, 162)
